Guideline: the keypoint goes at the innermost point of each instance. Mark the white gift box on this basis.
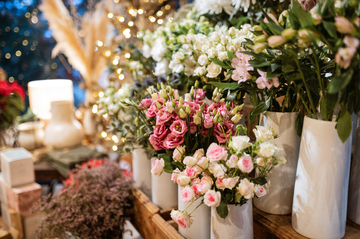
(17, 167)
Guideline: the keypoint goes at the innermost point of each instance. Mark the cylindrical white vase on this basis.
(354, 184)
(281, 179)
(164, 192)
(63, 130)
(322, 180)
(237, 225)
(141, 167)
(200, 227)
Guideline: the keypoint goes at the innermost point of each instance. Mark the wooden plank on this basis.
(268, 226)
(163, 229)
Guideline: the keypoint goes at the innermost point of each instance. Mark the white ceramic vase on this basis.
(31, 135)
(354, 184)
(63, 130)
(237, 225)
(141, 167)
(281, 179)
(164, 192)
(200, 228)
(322, 180)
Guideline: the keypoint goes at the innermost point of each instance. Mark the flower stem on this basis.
(196, 207)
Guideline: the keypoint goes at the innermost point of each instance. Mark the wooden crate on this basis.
(148, 221)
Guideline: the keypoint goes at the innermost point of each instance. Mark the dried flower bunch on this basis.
(91, 205)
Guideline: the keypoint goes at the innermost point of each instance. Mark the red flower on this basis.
(6, 89)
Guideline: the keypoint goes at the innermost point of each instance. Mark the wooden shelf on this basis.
(152, 223)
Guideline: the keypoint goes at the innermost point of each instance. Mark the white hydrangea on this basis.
(213, 6)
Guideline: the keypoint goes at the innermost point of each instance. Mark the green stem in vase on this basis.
(196, 207)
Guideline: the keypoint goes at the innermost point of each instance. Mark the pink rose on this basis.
(146, 103)
(212, 198)
(203, 187)
(195, 189)
(196, 181)
(178, 128)
(151, 112)
(175, 175)
(232, 161)
(178, 153)
(190, 172)
(188, 194)
(171, 141)
(161, 131)
(230, 183)
(228, 127)
(208, 180)
(193, 128)
(203, 163)
(259, 191)
(208, 121)
(182, 219)
(162, 116)
(158, 167)
(216, 153)
(155, 142)
(220, 183)
(245, 164)
(200, 94)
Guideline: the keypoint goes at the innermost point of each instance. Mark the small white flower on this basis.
(267, 150)
(162, 68)
(239, 143)
(200, 71)
(246, 188)
(203, 60)
(213, 70)
(263, 134)
(223, 55)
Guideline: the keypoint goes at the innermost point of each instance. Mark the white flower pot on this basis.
(141, 167)
(237, 225)
(322, 180)
(281, 179)
(164, 192)
(200, 228)
(354, 185)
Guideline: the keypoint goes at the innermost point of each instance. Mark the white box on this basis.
(5, 216)
(30, 225)
(3, 197)
(17, 167)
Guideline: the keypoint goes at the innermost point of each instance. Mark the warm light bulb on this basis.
(110, 15)
(103, 134)
(121, 19)
(140, 11)
(152, 19)
(119, 71)
(108, 53)
(18, 53)
(160, 21)
(95, 109)
(114, 148)
(127, 55)
(99, 43)
(121, 77)
(101, 94)
(115, 62)
(131, 23)
(159, 13)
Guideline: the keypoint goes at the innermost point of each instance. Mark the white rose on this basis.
(188, 71)
(204, 48)
(232, 31)
(203, 60)
(218, 170)
(198, 45)
(239, 143)
(199, 154)
(190, 161)
(213, 70)
(178, 68)
(113, 108)
(214, 36)
(222, 55)
(224, 40)
(230, 183)
(162, 68)
(146, 50)
(220, 47)
(158, 167)
(232, 162)
(246, 188)
(267, 150)
(158, 50)
(200, 71)
(260, 162)
(278, 155)
(203, 163)
(182, 39)
(231, 48)
(212, 52)
(263, 134)
(178, 57)
(190, 38)
(183, 180)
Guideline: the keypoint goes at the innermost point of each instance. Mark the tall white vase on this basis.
(164, 192)
(354, 185)
(200, 228)
(141, 167)
(237, 225)
(63, 130)
(322, 180)
(281, 179)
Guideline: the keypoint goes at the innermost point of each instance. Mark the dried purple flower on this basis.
(93, 207)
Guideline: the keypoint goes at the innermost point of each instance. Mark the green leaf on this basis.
(257, 55)
(330, 28)
(339, 82)
(304, 17)
(220, 63)
(168, 160)
(274, 66)
(260, 180)
(260, 64)
(231, 55)
(222, 210)
(274, 28)
(225, 86)
(343, 125)
(238, 198)
(299, 124)
(263, 106)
